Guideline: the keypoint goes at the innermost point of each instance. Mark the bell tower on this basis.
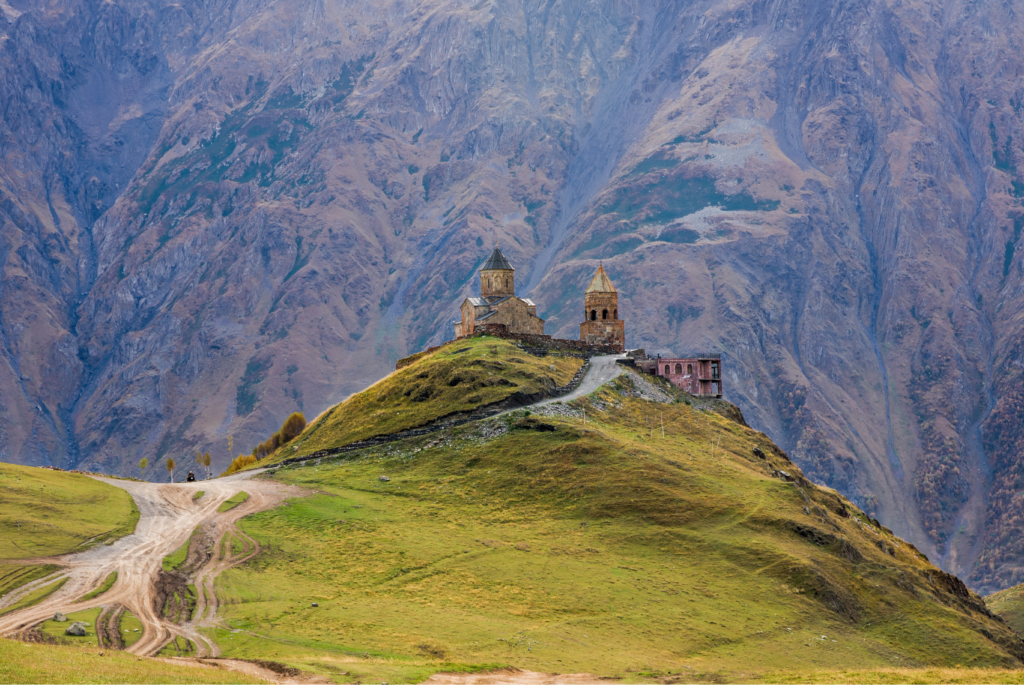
(601, 323)
(497, 277)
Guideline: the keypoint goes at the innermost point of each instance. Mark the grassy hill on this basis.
(45, 513)
(456, 378)
(21, 662)
(1009, 604)
(646, 542)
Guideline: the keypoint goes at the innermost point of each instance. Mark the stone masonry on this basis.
(498, 303)
(601, 323)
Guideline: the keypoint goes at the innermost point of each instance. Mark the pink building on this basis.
(699, 375)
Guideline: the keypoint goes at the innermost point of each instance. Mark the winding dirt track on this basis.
(168, 515)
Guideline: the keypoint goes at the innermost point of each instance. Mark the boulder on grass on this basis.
(59, 617)
(76, 629)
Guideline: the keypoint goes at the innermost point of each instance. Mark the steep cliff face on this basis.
(217, 212)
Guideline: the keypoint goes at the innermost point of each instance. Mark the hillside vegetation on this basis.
(456, 378)
(1009, 604)
(646, 541)
(45, 513)
(21, 662)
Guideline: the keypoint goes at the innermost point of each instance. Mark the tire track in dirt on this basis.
(168, 515)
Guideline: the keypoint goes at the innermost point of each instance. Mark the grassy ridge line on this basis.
(45, 513)
(600, 547)
(447, 383)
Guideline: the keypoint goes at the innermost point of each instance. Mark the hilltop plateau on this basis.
(633, 533)
(214, 213)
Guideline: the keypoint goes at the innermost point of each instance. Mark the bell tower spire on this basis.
(497, 277)
(601, 323)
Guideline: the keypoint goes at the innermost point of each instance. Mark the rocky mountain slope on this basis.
(215, 212)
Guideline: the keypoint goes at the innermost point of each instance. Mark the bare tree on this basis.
(170, 468)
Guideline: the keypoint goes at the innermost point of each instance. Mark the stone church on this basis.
(498, 306)
(498, 303)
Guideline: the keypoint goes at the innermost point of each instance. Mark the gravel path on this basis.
(602, 370)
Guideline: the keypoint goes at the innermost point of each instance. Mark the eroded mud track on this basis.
(168, 516)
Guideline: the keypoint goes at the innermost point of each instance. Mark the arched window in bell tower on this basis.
(593, 315)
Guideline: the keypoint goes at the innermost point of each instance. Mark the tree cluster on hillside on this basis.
(291, 429)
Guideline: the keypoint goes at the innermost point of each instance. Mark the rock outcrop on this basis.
(215, 212)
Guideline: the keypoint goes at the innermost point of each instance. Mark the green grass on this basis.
(237, 499)
(55, 629)
(107, 584)
(1009, 604)
(131, 629)
(179, 646)
(174, 560)
(456, 378)
(601, 548)
(45, 513)
(34, 597)
(198, 495)
(21, 662)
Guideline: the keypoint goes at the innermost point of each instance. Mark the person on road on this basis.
(190, 477)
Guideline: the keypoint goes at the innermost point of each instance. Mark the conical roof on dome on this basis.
(601, 283)
(496, 262)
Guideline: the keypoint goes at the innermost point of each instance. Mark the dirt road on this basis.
(168, 515)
